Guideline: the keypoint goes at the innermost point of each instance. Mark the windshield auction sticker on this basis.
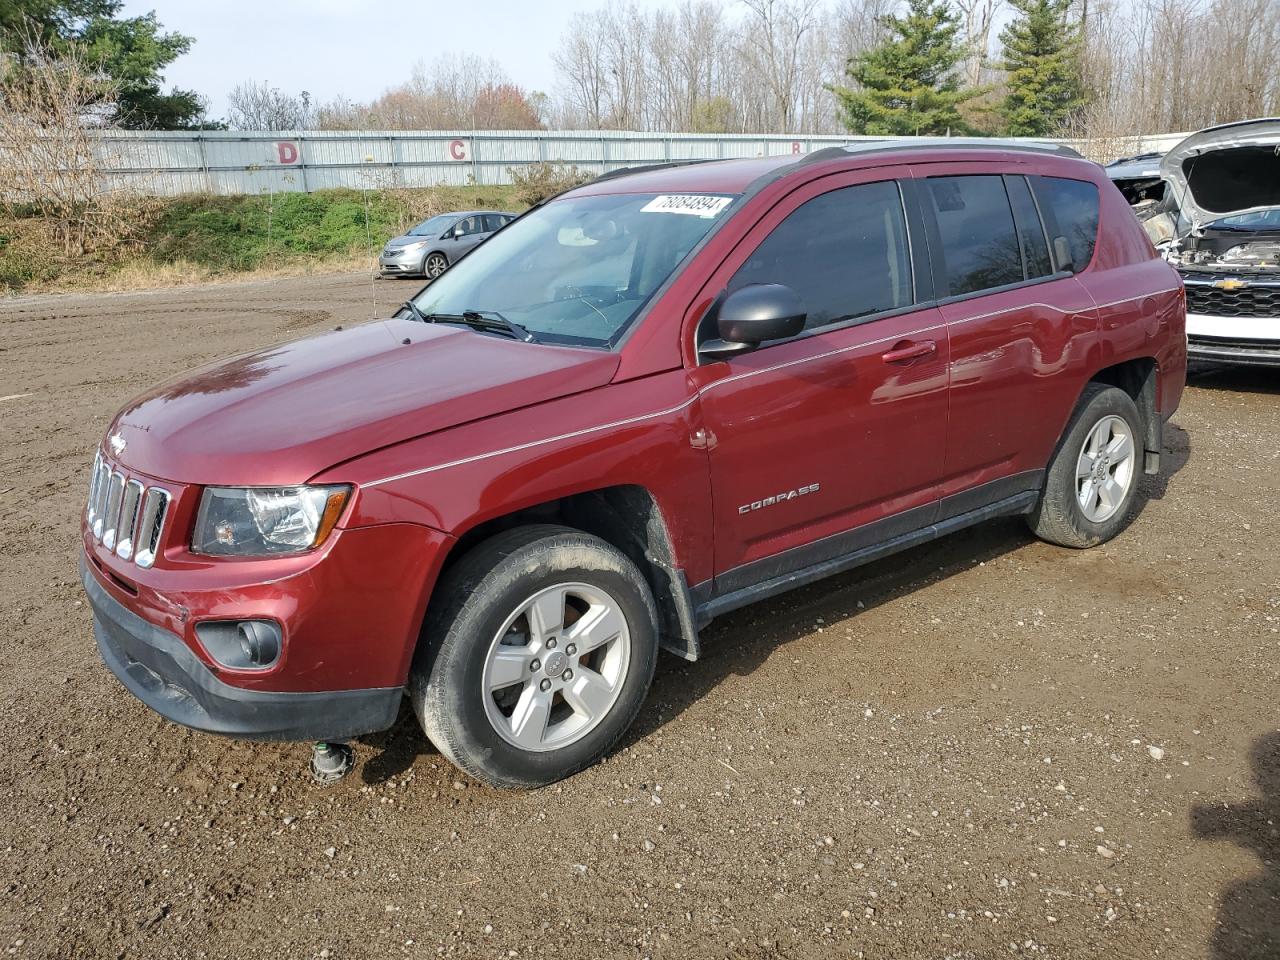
(694, 204)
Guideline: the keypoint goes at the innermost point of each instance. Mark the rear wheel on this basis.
(538, 658)
(1093, 478)
(434, 265)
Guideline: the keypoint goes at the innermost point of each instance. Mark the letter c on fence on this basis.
(457, 149)
(288, 152)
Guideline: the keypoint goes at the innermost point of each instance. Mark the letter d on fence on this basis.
(287, 151)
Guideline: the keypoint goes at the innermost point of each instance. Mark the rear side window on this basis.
(494, 221)
(980, 247)
(1074, 204)
(1035, 249)
(845, 253)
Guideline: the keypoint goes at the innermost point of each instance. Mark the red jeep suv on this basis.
(648, 401)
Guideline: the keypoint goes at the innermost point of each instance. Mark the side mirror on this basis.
(754, 315)
(1062, 254)
(457, 231)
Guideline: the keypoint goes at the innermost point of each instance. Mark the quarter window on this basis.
(979, 242)
(1075, 206)
(845, 253)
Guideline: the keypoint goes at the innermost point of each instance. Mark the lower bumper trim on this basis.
(1248, 354)
(161, 671)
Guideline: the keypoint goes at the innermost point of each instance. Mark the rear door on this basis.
(833, 440)
(1020, 332)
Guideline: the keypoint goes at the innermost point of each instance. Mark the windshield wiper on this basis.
(493, 320)
(490, 321)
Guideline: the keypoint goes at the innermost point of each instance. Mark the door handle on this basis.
(909, 350)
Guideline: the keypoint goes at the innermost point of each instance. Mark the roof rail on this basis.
(925, 143)
(645, 168)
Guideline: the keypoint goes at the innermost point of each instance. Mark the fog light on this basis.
(260, 642)
(241, 644)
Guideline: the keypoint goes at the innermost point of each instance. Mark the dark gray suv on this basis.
(429, 248)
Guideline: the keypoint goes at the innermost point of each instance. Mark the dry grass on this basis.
(141, 274)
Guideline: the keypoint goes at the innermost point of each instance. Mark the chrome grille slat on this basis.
(124, 514)
(129, 504)
(153, 512)
(93, 487)
(111, 512)
(100, 498)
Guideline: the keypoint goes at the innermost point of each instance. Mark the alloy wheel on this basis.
(556, 667)
(1105, 468)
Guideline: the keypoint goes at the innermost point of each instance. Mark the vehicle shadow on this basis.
(1208, 376)
(1248, 926)
(1175, 456)
(741, 641)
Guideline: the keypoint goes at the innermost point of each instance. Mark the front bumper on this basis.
(400, 264)
(161, 671)
(1247, 341)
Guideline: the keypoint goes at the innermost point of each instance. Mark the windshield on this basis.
(580, 269)
(433, 227)
(1268, 220)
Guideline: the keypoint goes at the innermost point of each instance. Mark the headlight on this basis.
(415, 246)
(263, 521)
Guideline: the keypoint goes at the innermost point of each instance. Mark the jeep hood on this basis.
(1226, 170)
(284, 414)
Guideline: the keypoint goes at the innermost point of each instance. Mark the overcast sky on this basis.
(354, 47)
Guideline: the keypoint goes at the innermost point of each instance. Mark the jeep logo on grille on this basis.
(778, 498)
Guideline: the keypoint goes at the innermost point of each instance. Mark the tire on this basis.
(1087, 502)
(489, 681)
(434, 264)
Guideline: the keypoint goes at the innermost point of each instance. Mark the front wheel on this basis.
(537, 658)
(1093, 477)
(434, 265)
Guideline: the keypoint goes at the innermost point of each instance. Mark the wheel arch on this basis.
(1139, 377)
(629, 518)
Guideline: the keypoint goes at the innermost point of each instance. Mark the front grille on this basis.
(1252, 300)
(124, 514)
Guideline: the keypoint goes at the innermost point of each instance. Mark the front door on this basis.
(833, 440)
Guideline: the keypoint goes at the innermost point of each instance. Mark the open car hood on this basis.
(1225, 171)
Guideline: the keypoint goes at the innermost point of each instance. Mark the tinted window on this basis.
(1075, 206)
(979, 243)
(845, 253)
(492, 222)
(470, 225)
(1035, 250)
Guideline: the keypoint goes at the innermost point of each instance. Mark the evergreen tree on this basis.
(1042, 59)
(908, 84)
(132, 51)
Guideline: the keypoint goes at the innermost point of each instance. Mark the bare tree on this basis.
(259, 106)
(977, 18)
(773, 43)
(53, 106)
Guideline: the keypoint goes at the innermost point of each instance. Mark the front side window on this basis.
(469, 226)
(1075, 206)
(980, 245)
(581, 268)
(433, 227)
(845, 253)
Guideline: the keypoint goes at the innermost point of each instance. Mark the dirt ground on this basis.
(986, 747)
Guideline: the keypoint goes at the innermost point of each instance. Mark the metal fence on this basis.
(232, 162)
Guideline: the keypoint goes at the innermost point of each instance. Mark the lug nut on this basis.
(567, 675)
(544, 686)
(535, 665)
(551, 643)
(571, 649)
